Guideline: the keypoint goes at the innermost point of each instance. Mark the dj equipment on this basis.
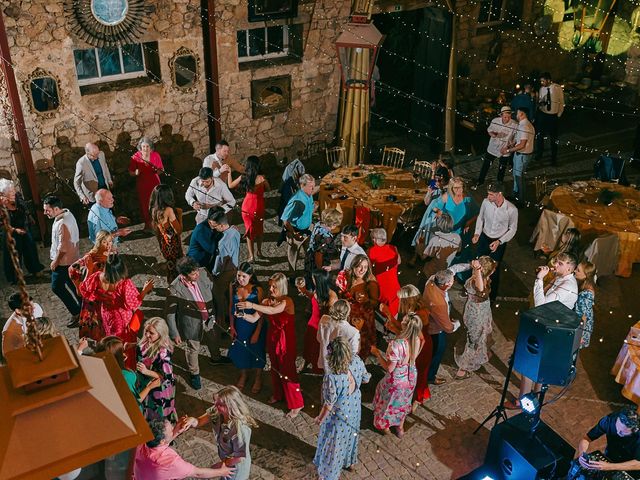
(576, 472)
(548, 343)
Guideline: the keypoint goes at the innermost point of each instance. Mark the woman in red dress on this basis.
(384, 263)
(411, 302)
(322, 297)
(83, 268)
(360, 288)
(254, 185)
(167, 222)
(281, 342)
(115, 296)
(145, 165)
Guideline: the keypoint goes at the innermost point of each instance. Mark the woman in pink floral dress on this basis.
(392, 401)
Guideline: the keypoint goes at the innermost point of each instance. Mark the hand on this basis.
(177, 340)
(243, 305)
(19, 231)
(493, 246)
(225, 471)
(357, 322)
(318, 420)
(542, 272)
(123, 232)
(82, 345)
(142, 368)
(232, 332)
(384, 308)
(475, 264)
(456, 325)
(85, 201)
(375, 351)
(53, 265)
(148, 286)
(197, 205)
(155, 383)
(225, 168)
(110, 185)
(475, 239)
(503, 150)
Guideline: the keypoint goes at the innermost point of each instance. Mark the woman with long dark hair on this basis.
(167, 223)
(253, 184)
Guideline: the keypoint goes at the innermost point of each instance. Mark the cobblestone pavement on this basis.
(439, 443)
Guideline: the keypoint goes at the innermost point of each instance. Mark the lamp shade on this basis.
(357, 49)
(49, 430)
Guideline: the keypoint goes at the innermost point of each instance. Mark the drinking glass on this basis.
(300, 283)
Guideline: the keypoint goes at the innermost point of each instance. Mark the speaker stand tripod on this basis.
(499, 412)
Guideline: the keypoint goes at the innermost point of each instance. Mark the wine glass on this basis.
(300, 283)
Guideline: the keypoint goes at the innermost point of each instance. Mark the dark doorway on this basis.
(413, 64)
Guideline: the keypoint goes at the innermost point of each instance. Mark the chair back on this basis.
(336, 157)
(422, 169)
(393, 157)
(604, 253)
(540, 183)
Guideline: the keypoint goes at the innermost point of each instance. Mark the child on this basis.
(232, 424)
(153, 355)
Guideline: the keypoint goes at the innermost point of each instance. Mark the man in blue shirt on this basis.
(296, 218)
(102, 218)
(204, 242)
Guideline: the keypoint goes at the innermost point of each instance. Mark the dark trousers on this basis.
(62, 286)
(27, 253)
(439, 341)
(547, 126)
(487, 160)
(483, 249)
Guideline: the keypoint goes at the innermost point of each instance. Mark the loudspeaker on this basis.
(516, 454)
(548, 343)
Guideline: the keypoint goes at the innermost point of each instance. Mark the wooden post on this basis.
(211, 72)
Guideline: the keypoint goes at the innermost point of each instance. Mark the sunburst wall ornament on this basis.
(108, 23)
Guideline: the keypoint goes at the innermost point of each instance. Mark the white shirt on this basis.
(497, 222)
(67, 219)
(441, 240)
(504, 136)
(213, 162)
(22, 321)
(328, 330)
(557, 100)
(354, 250)
(526, 132)
(217, 194)
(563, 289)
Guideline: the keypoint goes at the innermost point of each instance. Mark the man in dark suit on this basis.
(190, 316)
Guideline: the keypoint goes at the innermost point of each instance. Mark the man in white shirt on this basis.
(550, 108)
(501, 131)
(221, 163)
(564, 287)
(496, 225)
(522, 149)
(206, 191)
(350, 247)
(92, 174)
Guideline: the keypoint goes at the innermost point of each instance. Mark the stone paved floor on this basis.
(439, 443)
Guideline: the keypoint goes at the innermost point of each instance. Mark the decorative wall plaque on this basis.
(108, 23)
(270, 95)
(185, 69)
(42, 92)
(261, 10)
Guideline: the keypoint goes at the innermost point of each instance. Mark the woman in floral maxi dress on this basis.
(392, 401)
(339, 418)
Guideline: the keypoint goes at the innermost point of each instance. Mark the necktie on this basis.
(343, 260)
(548, 101)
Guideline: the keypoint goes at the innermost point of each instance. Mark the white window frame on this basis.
(112, 78)
(503, 8)
(285, 44)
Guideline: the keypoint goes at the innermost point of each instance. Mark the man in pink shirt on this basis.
(156, 460)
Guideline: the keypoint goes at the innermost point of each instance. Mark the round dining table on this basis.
(583, 203)
(398, 199)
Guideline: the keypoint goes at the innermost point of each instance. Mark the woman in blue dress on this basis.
(586, 276)
(339, 418)
(247, 351)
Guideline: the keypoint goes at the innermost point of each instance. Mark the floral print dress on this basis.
(160, 403)
(392, 401)
(584, 309)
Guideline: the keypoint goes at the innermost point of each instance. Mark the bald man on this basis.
(92, 174)
(102, 218)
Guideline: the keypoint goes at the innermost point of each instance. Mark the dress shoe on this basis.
(195, 382)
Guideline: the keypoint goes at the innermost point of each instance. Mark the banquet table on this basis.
(348, 189)
(627, 367)
(579, 201)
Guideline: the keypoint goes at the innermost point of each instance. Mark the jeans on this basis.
(62, 286)
(520, 162)
(439, 341)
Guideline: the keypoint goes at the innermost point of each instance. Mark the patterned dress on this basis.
(392, 401)
(340, 430)
(160, 403)
(584, 309)
(478, 321)
(168, 235)
(90, 324)
(322, 241)
(233, 441)
(243, 353)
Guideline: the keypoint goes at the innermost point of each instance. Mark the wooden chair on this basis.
(412, 217)
(540, 183)
(393, 157)
(312, 149)
(422, 168)
(336, 157)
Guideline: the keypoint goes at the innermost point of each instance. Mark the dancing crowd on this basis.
(360, 313)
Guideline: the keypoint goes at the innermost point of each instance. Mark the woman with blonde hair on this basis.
(339, 417)
(586, 276)
(93, 261)
(360, 288)
(281, 342)
(385, 260)
(477, 318)
(232, 423)
(153, 355)
(392, 401)
(336, 324)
